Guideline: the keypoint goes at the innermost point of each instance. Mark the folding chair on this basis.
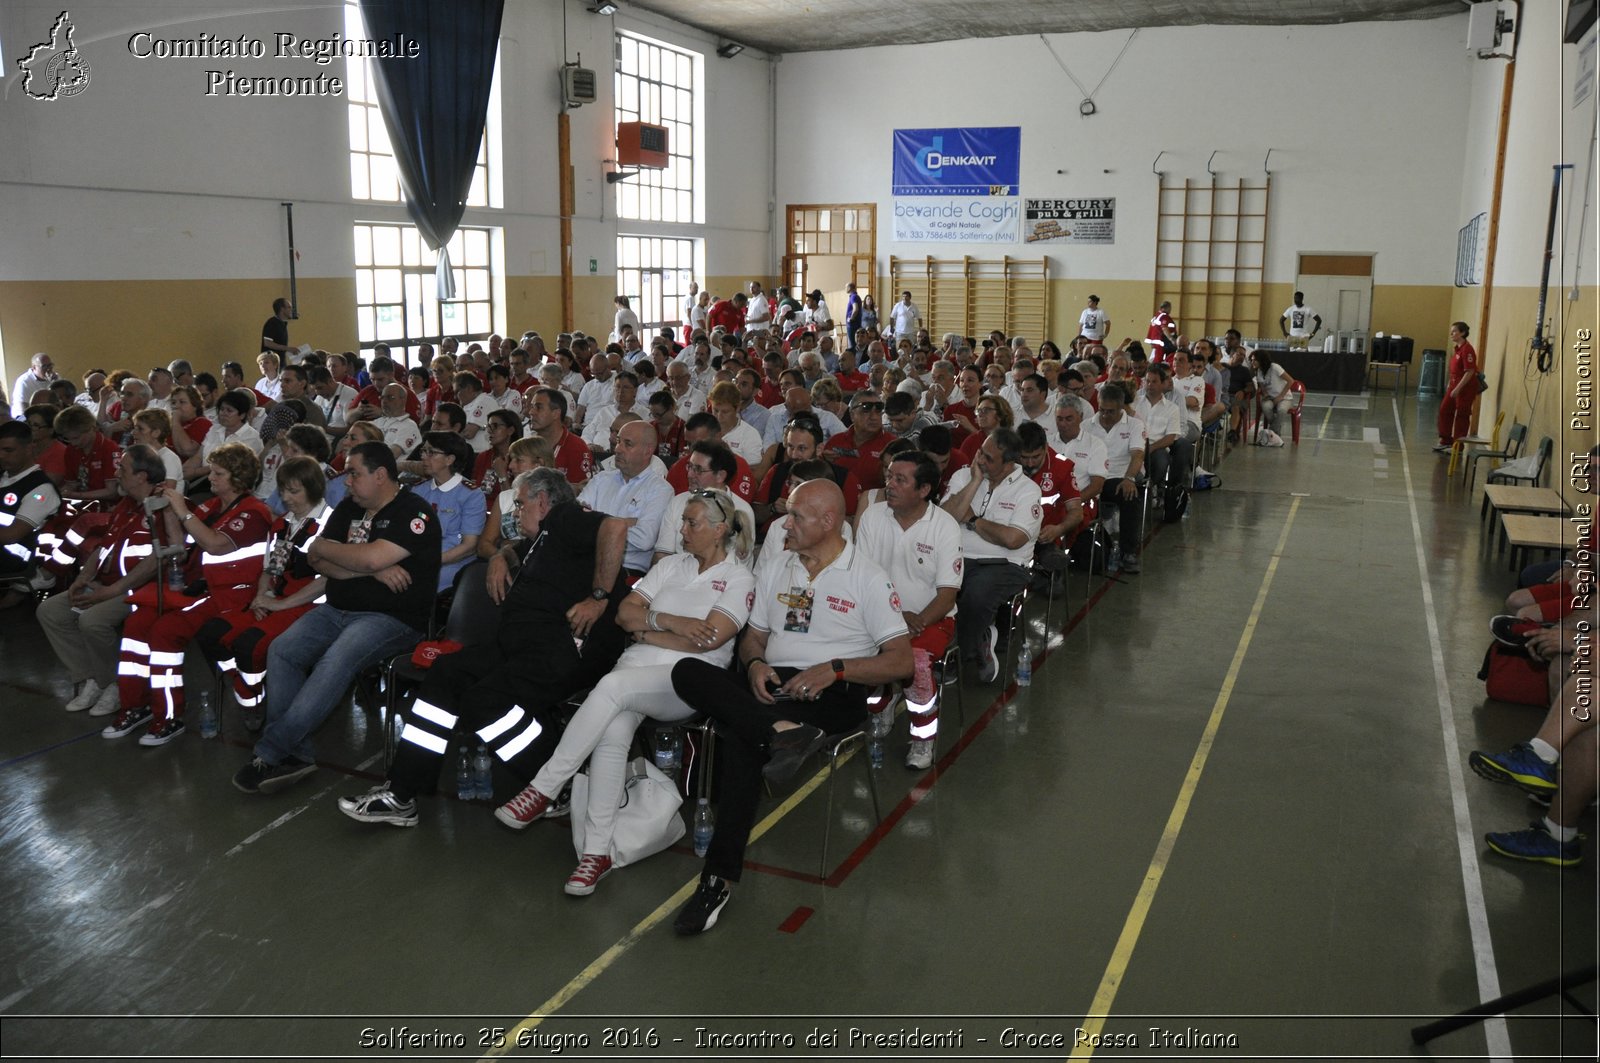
(1515, 439)
(1458, 449)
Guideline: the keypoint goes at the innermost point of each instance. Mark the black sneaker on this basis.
(700, 914)
(789, 749)
(162, 733)
(260, 777)
(127, 722)
(1514, 631)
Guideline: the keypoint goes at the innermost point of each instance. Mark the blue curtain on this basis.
(435, 105)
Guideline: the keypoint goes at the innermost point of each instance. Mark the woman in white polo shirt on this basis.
(691, 604)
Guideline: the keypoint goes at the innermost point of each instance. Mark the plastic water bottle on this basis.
(705, 822)
(878, 725)
(206, 713)
(669, 750)
(483, 774)
(1114, 558)
(175, 581)
(466, 786)
(1024, 665)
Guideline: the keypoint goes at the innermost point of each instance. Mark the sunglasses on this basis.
(871, 407)
(713, 497)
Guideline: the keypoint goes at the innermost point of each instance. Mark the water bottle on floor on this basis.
(483, 774)
(704, 824)
(668, 750)
(878, 725)
(1024, 665)
(466, 786)
(205, 712)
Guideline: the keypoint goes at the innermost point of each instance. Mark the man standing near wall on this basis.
(905, 317)
(1299, 322)
(275, 331)
(1093, 322)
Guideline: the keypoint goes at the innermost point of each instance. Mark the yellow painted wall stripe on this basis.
(1117, 968)
(667, 907)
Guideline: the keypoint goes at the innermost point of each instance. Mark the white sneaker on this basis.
(109, 702)
(919, 757)
(87, 693)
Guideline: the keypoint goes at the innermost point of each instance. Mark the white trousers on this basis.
(603, 731)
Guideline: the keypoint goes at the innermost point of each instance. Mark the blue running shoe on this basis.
(1519, 766)
(1538, 845)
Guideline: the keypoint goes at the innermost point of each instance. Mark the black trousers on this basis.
(506, 694)
(744, 728)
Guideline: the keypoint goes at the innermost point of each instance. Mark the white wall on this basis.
(1365, 122)
(142, 176)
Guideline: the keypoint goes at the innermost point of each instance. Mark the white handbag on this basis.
(647, 819)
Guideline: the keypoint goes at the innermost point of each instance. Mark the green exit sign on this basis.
(594, 265)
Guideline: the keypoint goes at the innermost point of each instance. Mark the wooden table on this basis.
(1546, 534)
(1508, 498)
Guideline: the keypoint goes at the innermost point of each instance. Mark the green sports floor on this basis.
(1231, 817)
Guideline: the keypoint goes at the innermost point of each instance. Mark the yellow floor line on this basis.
(667, 907)
(1117, 968)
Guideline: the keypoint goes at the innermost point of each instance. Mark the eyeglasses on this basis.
(431, 452)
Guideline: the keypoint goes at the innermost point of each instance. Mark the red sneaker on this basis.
(591, 869)
(522, 809)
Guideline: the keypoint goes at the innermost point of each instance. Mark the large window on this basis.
(372, 167)
(660, 84)
(654, 273)
(397, 296)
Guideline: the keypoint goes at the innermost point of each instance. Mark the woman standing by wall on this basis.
(1455, 409)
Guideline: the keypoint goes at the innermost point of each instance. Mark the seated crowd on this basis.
(747, 526)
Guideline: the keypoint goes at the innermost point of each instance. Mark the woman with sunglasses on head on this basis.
(448, 460)
(691, 604)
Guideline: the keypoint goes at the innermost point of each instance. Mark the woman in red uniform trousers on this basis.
(228, 529)
(1455, 409)
(238, 641)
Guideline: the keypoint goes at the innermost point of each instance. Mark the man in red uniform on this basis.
(369, 403)
(858, 447)
(547, 419)
(1058, 493)
(704, 426)
(728, 314)
(1162, 337)
(84, 625)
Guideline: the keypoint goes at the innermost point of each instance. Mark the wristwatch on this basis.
(599, 594)
(838, 669)
(970, 525)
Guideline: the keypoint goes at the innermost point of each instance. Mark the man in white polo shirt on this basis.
(758, 311)
(824, 627)
(1123, 436)
(1087, 454)
(1166, 452)
(399, 431)
(999, 511)
(919, 545)
(1033, 392)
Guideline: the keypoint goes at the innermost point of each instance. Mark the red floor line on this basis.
(921, 789)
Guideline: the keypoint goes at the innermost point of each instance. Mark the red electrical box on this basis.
(642, 144)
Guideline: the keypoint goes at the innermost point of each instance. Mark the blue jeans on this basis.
(310, 666)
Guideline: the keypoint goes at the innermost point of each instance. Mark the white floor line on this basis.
(1494, 1028)
(293, 812)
